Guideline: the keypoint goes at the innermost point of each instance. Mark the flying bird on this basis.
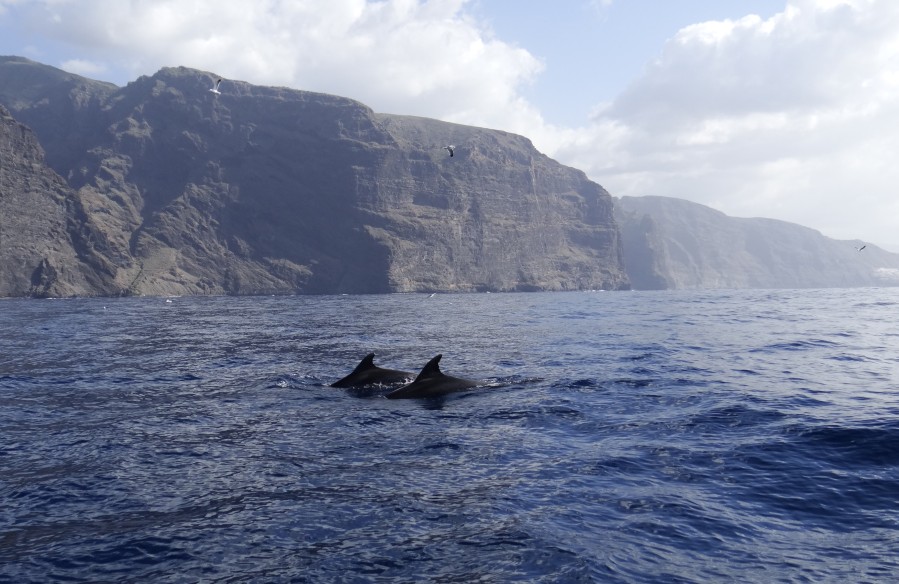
(449, 149)
(215, 88)
(861, 248)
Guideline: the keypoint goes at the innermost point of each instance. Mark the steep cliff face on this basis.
(245, 193)
(63, 109)
(271, 190)
(47, 247)
(497, 215)
(675, 244)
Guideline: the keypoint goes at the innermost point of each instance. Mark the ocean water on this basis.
(726, 436)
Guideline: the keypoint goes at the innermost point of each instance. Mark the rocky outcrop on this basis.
(47, 246)
(675, 244)
(271, 190)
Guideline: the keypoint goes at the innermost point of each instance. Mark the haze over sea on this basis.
(725, 436)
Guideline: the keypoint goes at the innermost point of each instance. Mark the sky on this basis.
(786, 109)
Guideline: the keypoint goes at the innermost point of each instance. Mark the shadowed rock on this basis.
(48, 245)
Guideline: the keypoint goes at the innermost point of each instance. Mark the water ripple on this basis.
(744, 436)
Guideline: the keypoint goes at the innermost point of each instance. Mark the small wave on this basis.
(801, 345)
(733, 416)
(851, 358)
(883, 303)
(441, 447)
(637, 382)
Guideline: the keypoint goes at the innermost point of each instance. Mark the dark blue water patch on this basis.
(17, 380)
(616, 465)
(141, 551)
(839, 479)
(852, 446)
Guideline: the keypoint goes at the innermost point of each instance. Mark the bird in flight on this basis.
(861, 248)
(215, 88)
(449, 149)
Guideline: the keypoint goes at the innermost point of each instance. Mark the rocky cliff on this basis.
(48, 247)
(675, 244)
(273, 190)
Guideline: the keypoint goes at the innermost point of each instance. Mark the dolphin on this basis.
(367, 373)
(432, 383)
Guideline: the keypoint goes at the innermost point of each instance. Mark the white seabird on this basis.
(861, 248)
(215, 88)
(449, 149)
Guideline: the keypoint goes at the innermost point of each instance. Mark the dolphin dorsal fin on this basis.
(367, 362)
(431, 369)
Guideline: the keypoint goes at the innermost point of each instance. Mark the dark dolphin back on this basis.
(367, 373)
(367, 362)
(430, 369)
(431, 382)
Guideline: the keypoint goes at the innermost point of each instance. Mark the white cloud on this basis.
(789, 117)
(83, 67)
(600, 6)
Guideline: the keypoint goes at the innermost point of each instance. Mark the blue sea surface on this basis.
(725, 436)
